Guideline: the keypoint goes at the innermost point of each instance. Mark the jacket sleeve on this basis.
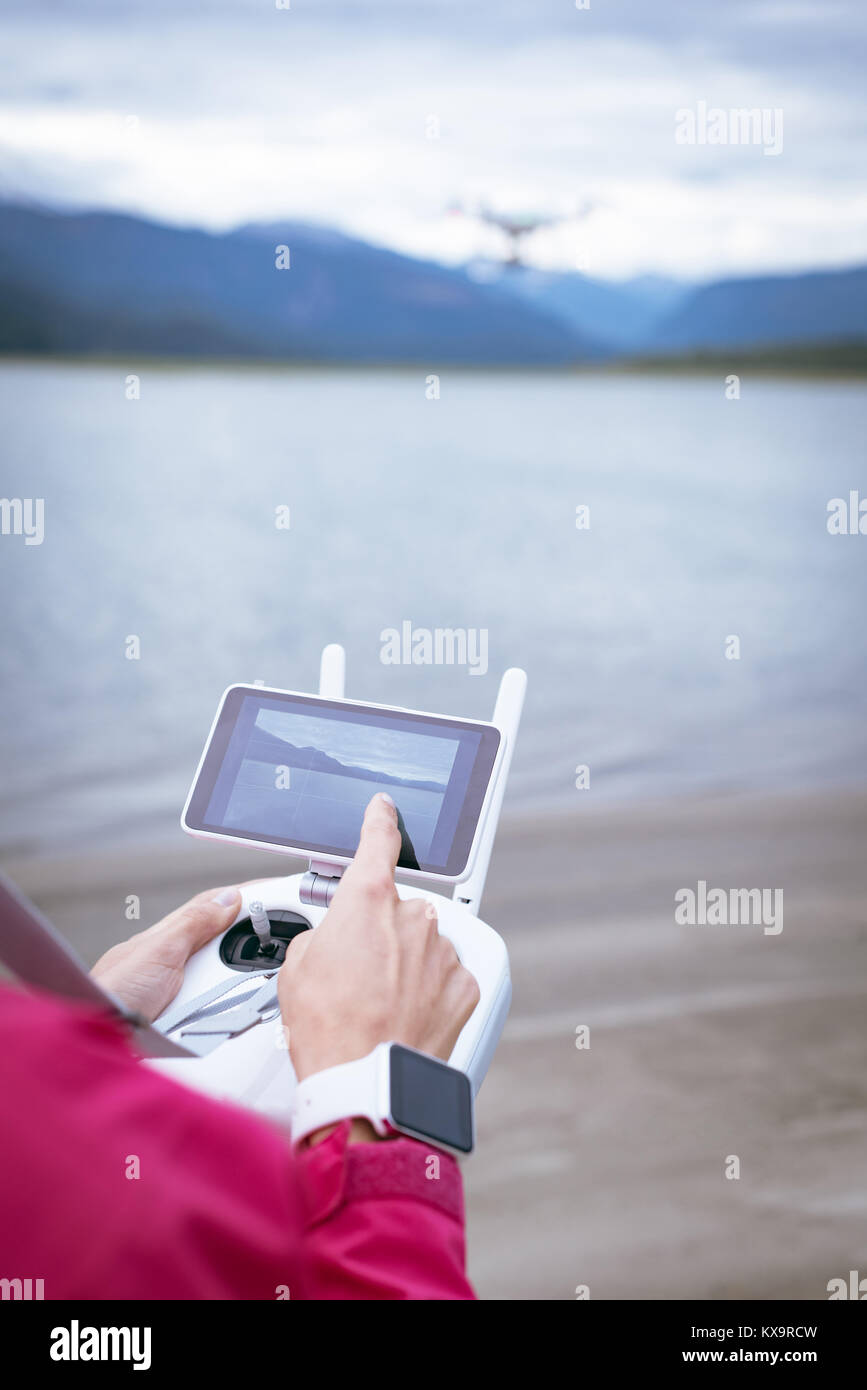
(383, 1220)
(116, 1182)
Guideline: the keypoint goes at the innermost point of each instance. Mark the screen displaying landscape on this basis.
(309, 780)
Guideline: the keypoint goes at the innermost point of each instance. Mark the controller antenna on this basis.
(262, 927)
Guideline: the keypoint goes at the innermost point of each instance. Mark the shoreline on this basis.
(698, 365)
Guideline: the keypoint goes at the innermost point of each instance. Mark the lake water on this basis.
(707, 521)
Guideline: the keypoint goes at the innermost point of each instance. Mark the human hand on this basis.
(375, 969)
(146, 971)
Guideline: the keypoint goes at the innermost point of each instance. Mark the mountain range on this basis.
(111, 284)
(265, 747)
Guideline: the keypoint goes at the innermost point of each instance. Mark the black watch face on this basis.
(431, 1099)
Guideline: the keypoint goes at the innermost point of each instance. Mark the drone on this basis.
(518, 226)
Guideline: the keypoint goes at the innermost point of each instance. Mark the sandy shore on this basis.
(606, 1166)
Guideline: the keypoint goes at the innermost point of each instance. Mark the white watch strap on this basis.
(349, 1091)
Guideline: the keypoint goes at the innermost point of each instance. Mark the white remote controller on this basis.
(226, 1014)
(253, 1066)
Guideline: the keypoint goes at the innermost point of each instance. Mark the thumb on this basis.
(203, 917)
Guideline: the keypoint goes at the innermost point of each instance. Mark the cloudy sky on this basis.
(378, 116)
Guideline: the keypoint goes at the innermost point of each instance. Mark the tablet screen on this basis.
(298, 771)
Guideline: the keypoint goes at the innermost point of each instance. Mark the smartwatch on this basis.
(395, 1088)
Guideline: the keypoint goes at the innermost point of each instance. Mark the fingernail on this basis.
(384, 796)
(226, 897)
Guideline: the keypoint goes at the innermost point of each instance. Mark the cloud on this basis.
(237, 111)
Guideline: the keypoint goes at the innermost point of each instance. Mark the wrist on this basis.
(361, 1131)
(393, 1086)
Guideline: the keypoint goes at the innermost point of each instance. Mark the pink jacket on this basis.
(117, 1183)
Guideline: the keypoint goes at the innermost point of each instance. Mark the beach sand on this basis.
(606, 1166)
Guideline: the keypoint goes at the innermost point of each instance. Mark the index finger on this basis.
(378, 847)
